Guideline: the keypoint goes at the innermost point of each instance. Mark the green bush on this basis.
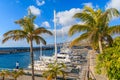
(108, 62)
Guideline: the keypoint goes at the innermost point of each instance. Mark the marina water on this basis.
(8, 61)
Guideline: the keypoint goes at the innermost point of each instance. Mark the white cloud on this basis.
(89, 4)
(12, 43)
(113, 4)
(34, 10)
(61, 32)
(66, 20)
(36, 26)
(46, 24)
(40, 3)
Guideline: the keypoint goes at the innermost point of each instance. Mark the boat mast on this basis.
(55, 35)
(41, 52)
(62, 37)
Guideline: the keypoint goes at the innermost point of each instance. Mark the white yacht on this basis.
(45, 60)
(40, 65)
(62, 57)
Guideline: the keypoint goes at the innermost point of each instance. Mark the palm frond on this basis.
(42, 30)
(31, 16)
(103, 21)
(4, 73)
(26, 23)
(89, 10)
(94, 36)
(16, 74)
(14, 32)
(85, 17)
(78, 28)
(54, 70)
(39, 39)
(98, 12)
(92, 13)
(78, 39)
(111, 13)
(114, 29)
(14, 37)
(6, 39)
(21, 22)
(105, 17)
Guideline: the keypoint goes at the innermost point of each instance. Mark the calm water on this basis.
(9, 60)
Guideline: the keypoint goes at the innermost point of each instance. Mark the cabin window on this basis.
(61, 57)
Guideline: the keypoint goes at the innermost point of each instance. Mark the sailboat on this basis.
(62, 57)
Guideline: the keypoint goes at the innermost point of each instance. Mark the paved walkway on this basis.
(92, 56)
(24, 77)
(82, 73)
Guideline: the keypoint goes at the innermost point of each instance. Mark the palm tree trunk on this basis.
(100, 46)
(32, 59)
(3, 78)
(88, 72)
(55, 76)
(64, 76)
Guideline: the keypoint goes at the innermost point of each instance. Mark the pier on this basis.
(10, 50)
(23, 49)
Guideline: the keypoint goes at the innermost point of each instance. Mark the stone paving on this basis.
(30, 78)
(24, 77)
(92, 56)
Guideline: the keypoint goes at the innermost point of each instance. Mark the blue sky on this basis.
(12, 10)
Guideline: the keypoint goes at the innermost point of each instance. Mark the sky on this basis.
(12, 10)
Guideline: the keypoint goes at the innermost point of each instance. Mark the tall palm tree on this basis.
(28, 32)
(55, 69)
(16, 73)
(4, 73)
(96, 26)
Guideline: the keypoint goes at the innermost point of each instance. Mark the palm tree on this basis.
(4, 73)
(96, 26)
(55, 69)
(28, 32)
(16, 73)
